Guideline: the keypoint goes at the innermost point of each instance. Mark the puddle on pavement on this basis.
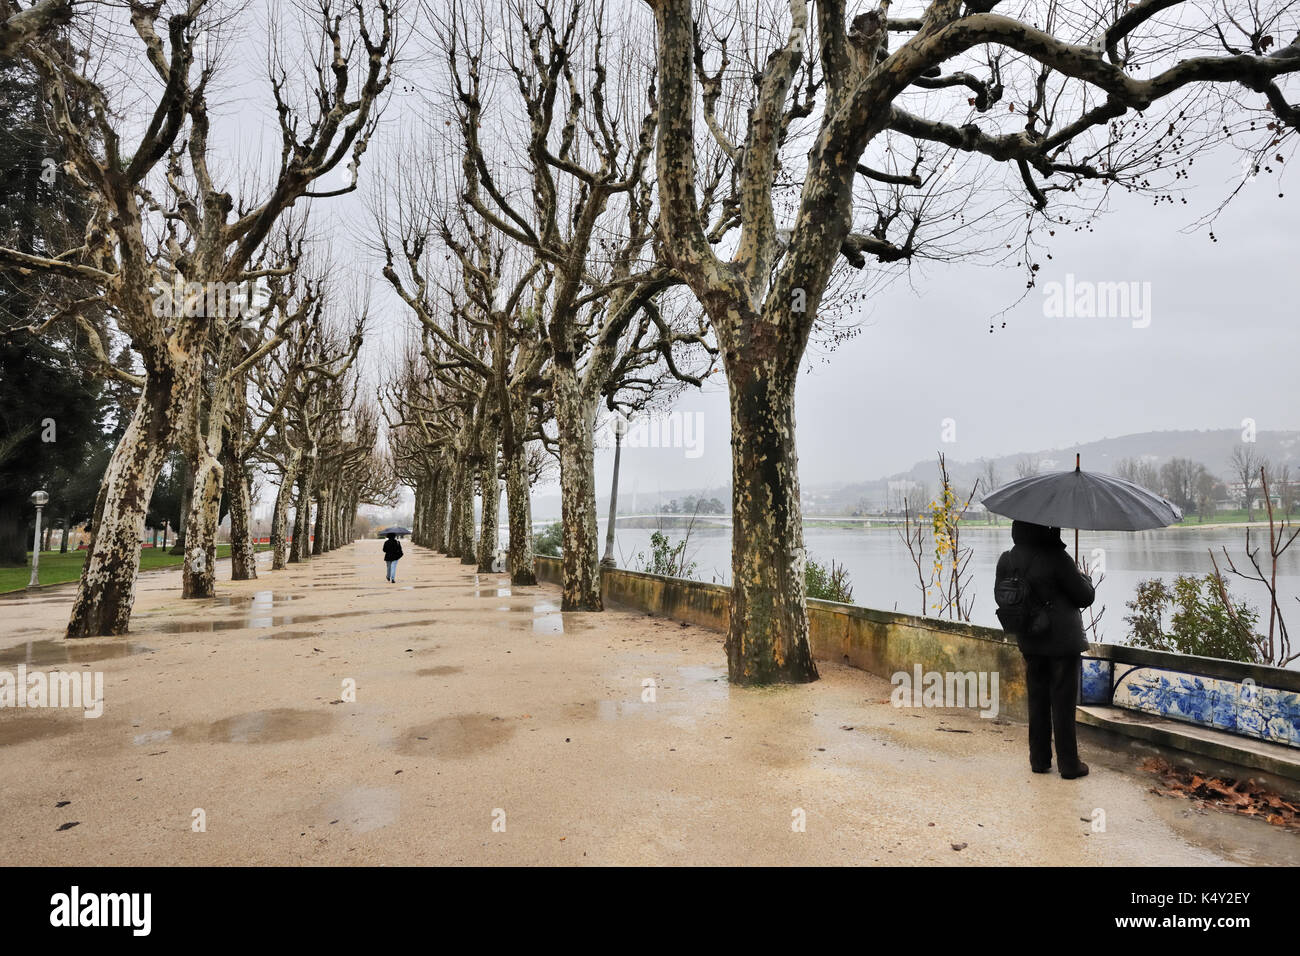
(288, 635)
(679, 698)
(361, 809)
(461, 735)
(388, 627)
(68, 652)
(547, 619)
(252, 623)
(20, 728)
(274, 726)
(261, 600)
(438, 671)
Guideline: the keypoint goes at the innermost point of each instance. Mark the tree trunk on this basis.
(187, 492)
(767, 640)
(199, 576)
(301, 548)
(576, 422)
(438, 504)
(318, 527)
(107, 588)
(63, 538)
(455, 514)
(490, 515)
(465, 548)
(280, 516)
(520, 514)
(243, 555)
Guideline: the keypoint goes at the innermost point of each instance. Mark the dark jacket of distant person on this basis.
(392, 549)
(1047, 567)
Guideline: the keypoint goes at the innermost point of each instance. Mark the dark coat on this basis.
(1041, 556)
(392, 549)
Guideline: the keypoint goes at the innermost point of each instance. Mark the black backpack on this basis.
(1019, 610)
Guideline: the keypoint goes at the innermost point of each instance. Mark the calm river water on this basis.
(883, 575)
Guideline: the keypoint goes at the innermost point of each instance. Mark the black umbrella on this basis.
(1081, 499)
(395, 529)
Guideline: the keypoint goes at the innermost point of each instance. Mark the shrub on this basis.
(547, 541)
(665, 558)
(1200, 622)
(828, 582)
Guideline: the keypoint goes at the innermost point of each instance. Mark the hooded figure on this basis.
(1051, 659)
(392, 554)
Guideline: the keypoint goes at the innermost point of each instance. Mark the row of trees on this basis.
(584, 226)
(1195, 489)
(169, 258)
(570, 188)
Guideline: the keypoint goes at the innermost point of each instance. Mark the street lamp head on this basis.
(620, 425)
(40, 498)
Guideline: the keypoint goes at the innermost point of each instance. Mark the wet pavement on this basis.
(318, 715)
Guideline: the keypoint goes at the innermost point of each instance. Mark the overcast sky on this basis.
(1221, 344)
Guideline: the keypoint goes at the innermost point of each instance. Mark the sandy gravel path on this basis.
(488, 727)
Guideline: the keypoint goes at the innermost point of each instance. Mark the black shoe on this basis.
(1045, 768)
(1080, 770)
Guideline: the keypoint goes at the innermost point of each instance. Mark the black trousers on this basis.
(1053, 685)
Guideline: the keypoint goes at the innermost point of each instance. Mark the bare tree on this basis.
(138, 244)
(1275, 647)
(1246, 464)
(763, 299)
(585, 150)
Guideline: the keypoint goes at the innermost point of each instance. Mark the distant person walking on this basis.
(392, 554)
(1040, 593)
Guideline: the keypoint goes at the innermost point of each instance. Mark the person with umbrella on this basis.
(392, 554)
(1040, 592)
(1050, 637)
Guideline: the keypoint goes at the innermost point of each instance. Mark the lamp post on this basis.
(40, 499)
(620, 429)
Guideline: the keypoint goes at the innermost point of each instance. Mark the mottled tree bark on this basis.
(767, 636)
(438, 502)
(199, 574)
(519, 509)
(465, 547)
(280, 516)
(187, 497)
(107, 588)
(575, 419)
(300, 549)
(243, 554)
(490, 515)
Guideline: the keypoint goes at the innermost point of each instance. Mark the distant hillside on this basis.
(1211, 448)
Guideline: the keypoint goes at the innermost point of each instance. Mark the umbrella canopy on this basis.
(395, 529)
(1081, 499)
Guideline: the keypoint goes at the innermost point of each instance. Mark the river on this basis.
(883, 575)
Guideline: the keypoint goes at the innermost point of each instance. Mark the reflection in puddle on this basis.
(249, 623)
(260, 601)
(69, 652)
(256, 727)
(461, 735)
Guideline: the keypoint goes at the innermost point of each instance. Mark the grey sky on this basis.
(1222, 343)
